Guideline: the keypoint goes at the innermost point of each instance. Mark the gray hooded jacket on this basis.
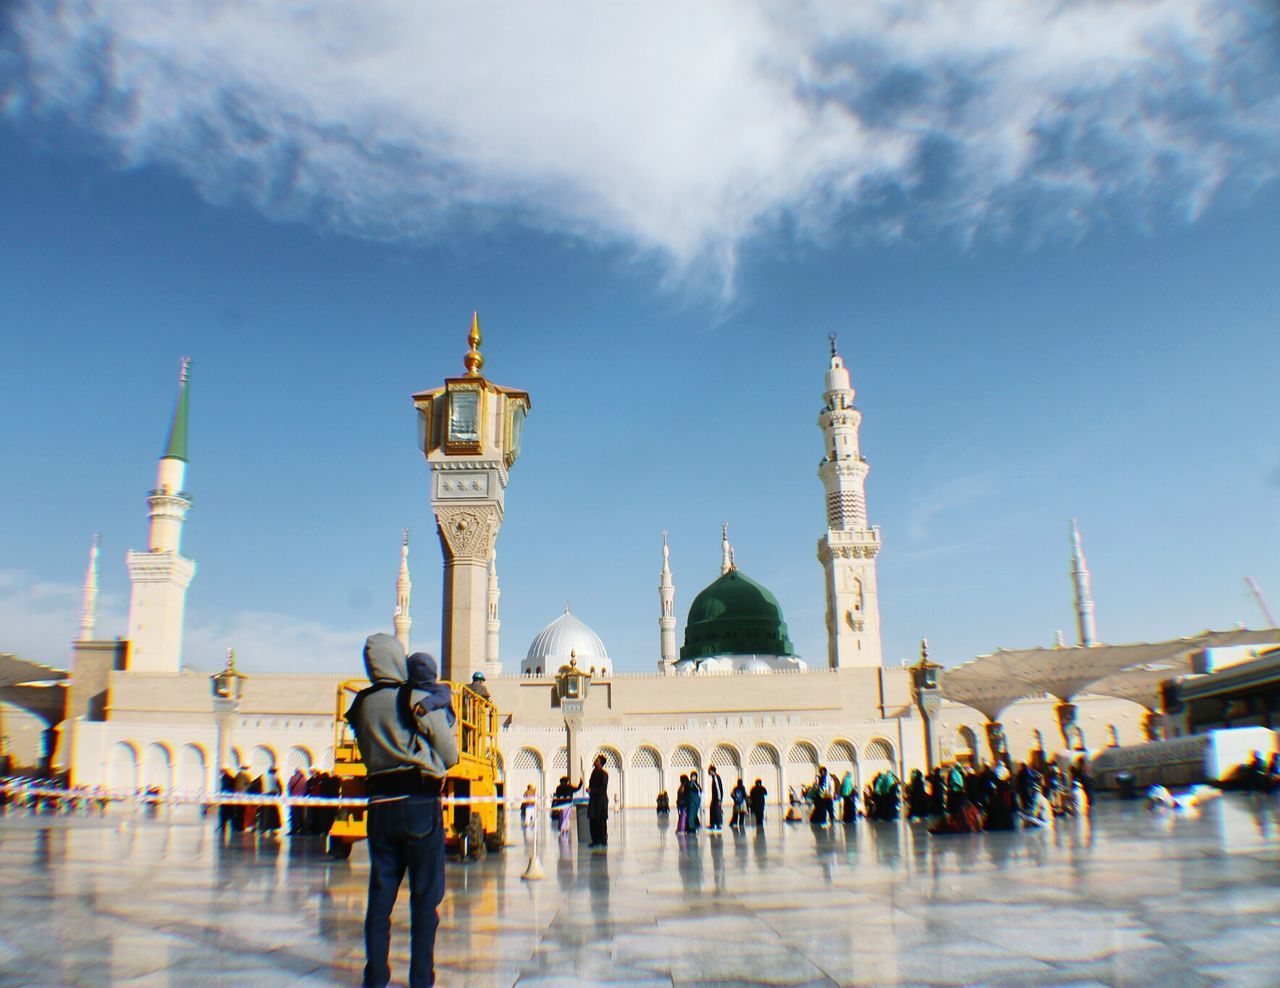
(386, 742)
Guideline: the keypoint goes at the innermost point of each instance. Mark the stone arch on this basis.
(526, 769)
(728, 763)
(559, 765)
(802, 765)
(644, 777)
(297, 759)
(965, 745)
(765, 763)
(878, 756)
(237, 759)
(157, 766)
(500, 766)
(192, 773)
(261, 759)
(326, 760)
(685, 759)
(123, 771)
(842, 757)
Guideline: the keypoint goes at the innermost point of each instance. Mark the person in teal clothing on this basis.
(694, 798)
(849, 812)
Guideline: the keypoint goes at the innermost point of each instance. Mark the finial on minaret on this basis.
(924, 642)
(1059, 639)
(89, 608)
(474, 360)
(832, 338)
(184, 370)
(726, 550)
(176, 448)
(1085, 626)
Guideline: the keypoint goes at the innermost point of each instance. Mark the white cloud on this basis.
(677, 129)
(39, 619)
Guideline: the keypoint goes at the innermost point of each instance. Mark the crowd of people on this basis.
(266, 818)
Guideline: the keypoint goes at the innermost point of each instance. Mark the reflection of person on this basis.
(598, 803)
(408, 747)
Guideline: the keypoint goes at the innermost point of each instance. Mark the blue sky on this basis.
(1051, 266)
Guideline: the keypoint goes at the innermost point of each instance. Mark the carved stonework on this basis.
(468, 532)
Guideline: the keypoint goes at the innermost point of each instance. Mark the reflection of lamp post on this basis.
(227, 686)
(571, 687)
(928, 695)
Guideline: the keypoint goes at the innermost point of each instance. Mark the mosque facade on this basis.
(734, 693)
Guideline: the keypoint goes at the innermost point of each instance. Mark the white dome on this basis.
(564, 637)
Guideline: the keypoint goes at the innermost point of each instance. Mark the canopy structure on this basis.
(15, 671)
(990, 683)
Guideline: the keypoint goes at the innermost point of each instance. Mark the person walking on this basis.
(715, 793)
(757, 797)
(297, 787)
(738, 796)
(598, 803)
(408, 744)
(695, 803)
(682, 805)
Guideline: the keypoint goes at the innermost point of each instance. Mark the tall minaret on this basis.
(493, 624)
(160, 576)
(848, 550)
(667, 614)
(404, 590)
(1085, 628)
(89, 608)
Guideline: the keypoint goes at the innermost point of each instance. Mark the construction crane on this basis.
(1262, 601)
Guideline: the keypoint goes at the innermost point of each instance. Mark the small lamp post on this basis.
(227, 686)
(572, 685)
(927, 688)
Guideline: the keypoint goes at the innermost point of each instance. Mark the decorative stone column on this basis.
(1067, 722)
(928, 696)
(996, 740)
(467, 534)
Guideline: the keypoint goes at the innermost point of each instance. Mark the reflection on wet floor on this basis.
(1135, 898)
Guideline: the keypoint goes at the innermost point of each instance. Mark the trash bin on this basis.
(1127, 785)
(584, 825)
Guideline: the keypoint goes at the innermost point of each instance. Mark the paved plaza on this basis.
(1136, 898)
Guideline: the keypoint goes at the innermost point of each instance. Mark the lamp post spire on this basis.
(474, 360)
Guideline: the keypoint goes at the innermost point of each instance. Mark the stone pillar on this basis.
(1067, 723)
(467, 535)
(996, 740)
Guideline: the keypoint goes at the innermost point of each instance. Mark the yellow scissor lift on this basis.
(467, 827)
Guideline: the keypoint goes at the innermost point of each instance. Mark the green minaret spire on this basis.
(176, 449)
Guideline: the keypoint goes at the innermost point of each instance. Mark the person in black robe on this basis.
(598, 803)
(917, 799)
(756, 798)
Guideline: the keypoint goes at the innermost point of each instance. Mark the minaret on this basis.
(848, 550)
(404, 590)
(1087, 631)
(89, 608)
(160, 576)
(667, 614)
(471, 431)
(493, 659)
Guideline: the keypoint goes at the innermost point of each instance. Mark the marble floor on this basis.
(1135, 899)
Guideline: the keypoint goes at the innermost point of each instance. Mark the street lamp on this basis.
(227, 686)
(928, 696)
(572, 685)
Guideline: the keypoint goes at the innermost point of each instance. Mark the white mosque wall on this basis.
(645, 760)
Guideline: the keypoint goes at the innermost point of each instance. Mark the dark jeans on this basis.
(715, 817)
(404, 834)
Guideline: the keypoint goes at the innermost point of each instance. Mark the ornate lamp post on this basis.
(227, 686)
(572, 685)
(928, 696)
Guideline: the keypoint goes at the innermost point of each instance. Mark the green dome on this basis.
(735, 616)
